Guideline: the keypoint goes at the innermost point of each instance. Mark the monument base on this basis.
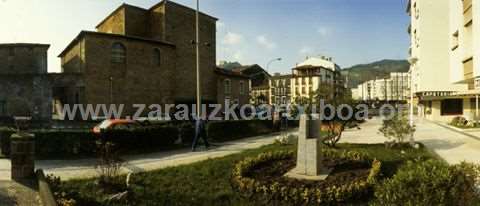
(295, 174)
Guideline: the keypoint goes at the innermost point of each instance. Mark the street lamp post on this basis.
(197, 45)
(271, 61)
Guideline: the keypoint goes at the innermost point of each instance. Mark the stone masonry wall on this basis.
(180, 31)
(115, 24)
(74, 60)
(234, 95)
(23, 59)
(138, 81)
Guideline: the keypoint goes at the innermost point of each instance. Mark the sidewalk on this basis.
(74, 169)
(21, 194)
(451, 145)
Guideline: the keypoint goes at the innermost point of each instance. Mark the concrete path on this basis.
(74, 169)
(5, 170)
(19, 194)
(451, 145)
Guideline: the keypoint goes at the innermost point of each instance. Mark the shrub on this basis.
(64, 142)
(462, 122)
(231, 130)
(60, 143)
(108, 164)
(429, 183)
(458, 121)
(274, 190)
(286, 139)
(148, 137)
(397, 128)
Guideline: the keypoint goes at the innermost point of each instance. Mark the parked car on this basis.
(115, 124)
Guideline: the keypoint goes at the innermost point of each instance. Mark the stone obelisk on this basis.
(309, 155)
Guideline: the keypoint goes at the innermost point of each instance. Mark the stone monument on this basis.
(309, 155)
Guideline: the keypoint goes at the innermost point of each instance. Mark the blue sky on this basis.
(249, 31)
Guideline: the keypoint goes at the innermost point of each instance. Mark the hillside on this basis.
(363, 72)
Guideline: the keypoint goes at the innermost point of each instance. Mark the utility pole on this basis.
(197, 45)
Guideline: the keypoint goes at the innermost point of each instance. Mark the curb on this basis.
(460, 131)
(44, 190)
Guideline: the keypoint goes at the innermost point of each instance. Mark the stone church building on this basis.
(143, 56)
(135, 56)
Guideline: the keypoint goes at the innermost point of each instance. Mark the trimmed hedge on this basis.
(50, 143)
(231, 130)
(303, 196)
(430, 183)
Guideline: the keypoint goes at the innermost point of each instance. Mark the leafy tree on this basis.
(335, 127)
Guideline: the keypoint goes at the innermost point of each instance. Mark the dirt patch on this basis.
(343, 172)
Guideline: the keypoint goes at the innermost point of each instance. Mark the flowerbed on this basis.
(352, 178)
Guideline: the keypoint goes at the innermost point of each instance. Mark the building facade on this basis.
(394, 88)
(232, 87)
(280, 86)
(313, 74)
(144, 56)
(260, 90)
(443, 57)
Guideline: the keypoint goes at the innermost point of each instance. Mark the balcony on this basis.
(468, 69)
(467, 13)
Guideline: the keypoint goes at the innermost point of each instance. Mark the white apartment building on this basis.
(314, 73)
(394, 88)
(438, 87)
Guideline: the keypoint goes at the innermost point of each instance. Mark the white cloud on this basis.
(238, 55)
(265, 42)
(305, 50)
(232, 38)
(323, 31)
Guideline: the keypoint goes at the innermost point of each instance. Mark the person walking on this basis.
(200, 132)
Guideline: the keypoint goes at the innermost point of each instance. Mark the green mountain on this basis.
(381, 69)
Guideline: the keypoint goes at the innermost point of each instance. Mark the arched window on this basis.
(228, 86)
(157, 57)
(119, 53)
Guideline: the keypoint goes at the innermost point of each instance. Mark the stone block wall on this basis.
(138, 81)
(23, 58)
(22, 156)
(234, 96)
(115, 23)
(180, 30)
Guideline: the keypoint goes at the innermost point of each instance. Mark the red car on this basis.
(115, 124)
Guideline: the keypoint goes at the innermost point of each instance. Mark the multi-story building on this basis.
(233, 87)
(443, 50)
(280, 86)
(400, 86)
(394, 88)
(144, 56)
(464, 53)
(313, 74)
(260, 90)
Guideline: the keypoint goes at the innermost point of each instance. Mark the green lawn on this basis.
(208, 182)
